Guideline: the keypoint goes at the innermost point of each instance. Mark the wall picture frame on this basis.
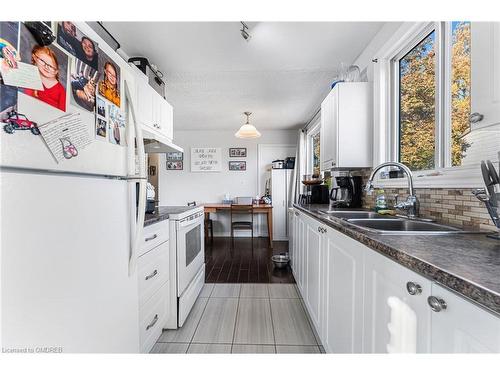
(237, 165)
(175, 156)
(238, 152)
(175, 165)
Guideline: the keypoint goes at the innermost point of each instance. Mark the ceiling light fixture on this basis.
(247, 130)
(244, 33)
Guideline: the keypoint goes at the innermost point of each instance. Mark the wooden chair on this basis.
(209, 225)
(238, 209)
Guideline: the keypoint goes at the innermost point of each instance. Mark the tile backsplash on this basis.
(457, 206)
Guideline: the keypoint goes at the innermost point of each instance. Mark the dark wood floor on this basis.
(242, 265)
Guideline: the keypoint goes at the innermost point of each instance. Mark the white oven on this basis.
(190, 249)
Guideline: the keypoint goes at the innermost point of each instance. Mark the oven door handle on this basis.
(193, 223)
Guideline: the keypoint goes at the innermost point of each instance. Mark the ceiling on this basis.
(213, 75)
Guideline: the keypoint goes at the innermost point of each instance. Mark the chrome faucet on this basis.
(411, 205)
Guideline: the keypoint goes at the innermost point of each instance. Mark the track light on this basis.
(244, 33)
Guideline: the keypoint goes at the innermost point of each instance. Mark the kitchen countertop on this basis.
(164, 212)
(161, 213)
(468, 263)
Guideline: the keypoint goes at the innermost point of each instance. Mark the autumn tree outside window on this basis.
(423, 77)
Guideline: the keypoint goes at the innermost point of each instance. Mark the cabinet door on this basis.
(291, 235)
(298, 268)
(329, 131)
(312, 262)
(166, 118)
(485, 73)
(145, 103)
(463, 327)
(342, 292)
(395, 321)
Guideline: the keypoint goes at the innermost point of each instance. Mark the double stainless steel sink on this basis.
(383, 224)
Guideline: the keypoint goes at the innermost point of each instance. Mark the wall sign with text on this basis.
(206, 159)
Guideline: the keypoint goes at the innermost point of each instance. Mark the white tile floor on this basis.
(243, 318)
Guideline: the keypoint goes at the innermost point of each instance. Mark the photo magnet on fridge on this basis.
(83, 85)
(52, 65)
(76, 43)
(9, 58)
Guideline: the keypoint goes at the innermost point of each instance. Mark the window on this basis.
(313, 149)
(315, 153)
(432, 101)
(460, 91)
(417, 97)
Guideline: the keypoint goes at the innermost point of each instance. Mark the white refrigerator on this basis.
(68, 234)
(280, 187)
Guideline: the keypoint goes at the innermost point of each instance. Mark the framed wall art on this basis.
(237, 165)
(238, 152)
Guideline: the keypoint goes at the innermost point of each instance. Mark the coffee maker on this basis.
(348, 192)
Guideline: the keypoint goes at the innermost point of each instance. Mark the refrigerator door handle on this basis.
(140, 178)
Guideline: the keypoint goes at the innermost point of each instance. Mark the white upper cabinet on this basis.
(153, 111)
(485, 74)
(462, 327)
(346, 126)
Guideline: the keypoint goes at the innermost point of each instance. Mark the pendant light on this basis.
(247, 130)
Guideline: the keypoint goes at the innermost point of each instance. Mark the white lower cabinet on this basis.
(395, 321)
(341, 328)
(153, 277)
(363, 302)
(462, 326)
(298, 250)
(312, 261)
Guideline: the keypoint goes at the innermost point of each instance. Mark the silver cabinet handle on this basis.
(413, 288)
(436, 304)
(155, 272)
(151, 238)
(153, 322)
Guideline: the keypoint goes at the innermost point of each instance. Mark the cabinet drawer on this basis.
(153, 271)
(152, 317)
(153, 236)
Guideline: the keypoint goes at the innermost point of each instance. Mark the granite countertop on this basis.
(160, 214)
(468, 263)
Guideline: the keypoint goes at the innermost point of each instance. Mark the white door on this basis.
(395, 320)
(312, 261)
(462, 327)
(342, 318)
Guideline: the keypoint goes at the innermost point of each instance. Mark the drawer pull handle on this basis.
(436, 304)
(153, 322)
(151, 238)
(413, 288)
(155, 272)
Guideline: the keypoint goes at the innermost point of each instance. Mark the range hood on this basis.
(156, 144)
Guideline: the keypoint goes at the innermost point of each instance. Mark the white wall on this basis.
(180, 187)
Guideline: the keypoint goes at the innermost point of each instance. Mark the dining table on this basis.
(257, 209)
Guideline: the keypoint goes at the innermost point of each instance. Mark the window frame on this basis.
(312, 131)
(387, 120)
